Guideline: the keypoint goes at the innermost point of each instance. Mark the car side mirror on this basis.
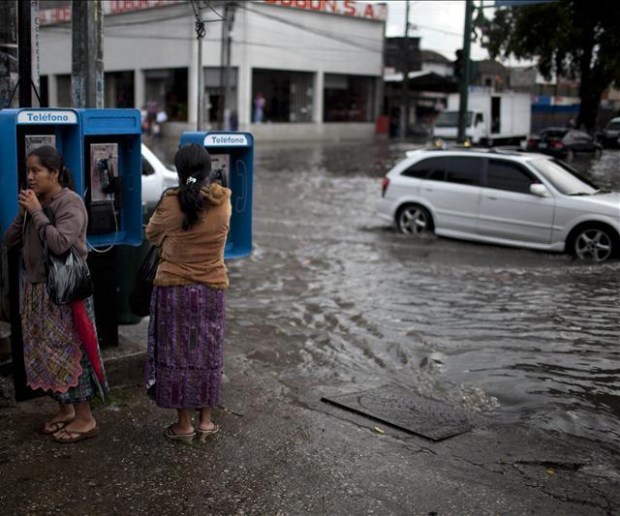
(539, 189)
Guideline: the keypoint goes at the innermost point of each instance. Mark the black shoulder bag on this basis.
(68, 278)
(140, 297)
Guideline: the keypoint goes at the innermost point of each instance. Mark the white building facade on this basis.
(295, 69)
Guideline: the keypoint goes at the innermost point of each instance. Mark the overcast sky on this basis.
(438, 23)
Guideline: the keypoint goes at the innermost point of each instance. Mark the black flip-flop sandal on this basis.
(57, 426)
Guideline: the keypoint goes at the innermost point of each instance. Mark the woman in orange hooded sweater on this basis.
(186, 330)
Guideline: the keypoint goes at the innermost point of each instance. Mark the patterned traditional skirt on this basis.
(185, 346)
(53, 355)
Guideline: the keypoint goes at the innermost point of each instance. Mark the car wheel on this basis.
(570, 155)
(413, 219)
(594, 244)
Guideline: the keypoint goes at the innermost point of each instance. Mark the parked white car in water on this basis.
(156, 177)
(523, 200)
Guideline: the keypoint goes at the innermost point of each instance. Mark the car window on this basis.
(504, 175)
(464, 170)
(147, 168)
(432, 168)
(581, 136)
(563, 178)
(555, 134)
(613, 126)
(451, 119)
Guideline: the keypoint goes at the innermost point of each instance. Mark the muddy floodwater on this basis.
(339, 300)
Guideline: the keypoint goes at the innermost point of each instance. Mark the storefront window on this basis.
(348, 98)
(279, 96)
(63, 90)
(219, 97)
(119, 90)
(167, 89)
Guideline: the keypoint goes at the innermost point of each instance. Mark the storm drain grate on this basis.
(400, 408)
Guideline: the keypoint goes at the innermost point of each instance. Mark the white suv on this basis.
(523, 200)
(156, 177)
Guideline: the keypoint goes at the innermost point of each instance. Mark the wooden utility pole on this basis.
(465, 70)
(87, 81)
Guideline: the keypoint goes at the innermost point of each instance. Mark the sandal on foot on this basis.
(74, 436)
(54, 426)
(170, 434)
(203, 434)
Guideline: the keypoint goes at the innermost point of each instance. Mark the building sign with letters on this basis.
(343, 7)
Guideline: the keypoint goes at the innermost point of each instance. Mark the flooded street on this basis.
(337, 300)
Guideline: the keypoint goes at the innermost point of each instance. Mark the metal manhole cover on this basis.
(400, 408)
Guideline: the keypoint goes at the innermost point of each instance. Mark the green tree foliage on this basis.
(574, 38)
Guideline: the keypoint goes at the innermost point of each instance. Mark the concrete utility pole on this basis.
(8, 53)
(465, 70)
(225, 82)
(28, 80)
(201, 32)
(28, 51)
(87, 54)
(406, 61)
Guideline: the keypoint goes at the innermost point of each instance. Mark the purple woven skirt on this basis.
(185, 346)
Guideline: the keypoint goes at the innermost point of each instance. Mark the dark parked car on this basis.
(563, 142)
(610, 136)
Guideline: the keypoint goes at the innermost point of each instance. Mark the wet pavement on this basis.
(521, 335)
(333, 301)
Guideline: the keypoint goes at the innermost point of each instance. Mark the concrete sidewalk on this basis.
(282, 451)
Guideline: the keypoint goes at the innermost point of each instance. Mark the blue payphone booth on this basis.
(233, 153)
(101, 148)
(112, 192)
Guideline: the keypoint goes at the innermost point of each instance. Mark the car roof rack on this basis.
(442, 147)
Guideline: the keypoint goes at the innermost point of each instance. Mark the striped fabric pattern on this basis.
(53, 356)
(185, 346)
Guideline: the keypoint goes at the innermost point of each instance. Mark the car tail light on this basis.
(384, 185)
(532, 142)
(556, 144)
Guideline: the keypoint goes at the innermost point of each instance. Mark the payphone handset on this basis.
(220, 167)
(103, 188)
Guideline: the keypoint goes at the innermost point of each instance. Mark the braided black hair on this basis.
(193, 167)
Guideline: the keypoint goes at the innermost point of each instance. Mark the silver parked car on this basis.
(523, 200)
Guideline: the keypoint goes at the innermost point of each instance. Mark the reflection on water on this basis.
(335, 298)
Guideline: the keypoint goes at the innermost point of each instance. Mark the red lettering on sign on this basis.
(315, 5)
(369, 12)
(330, 5)
(349, 8)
